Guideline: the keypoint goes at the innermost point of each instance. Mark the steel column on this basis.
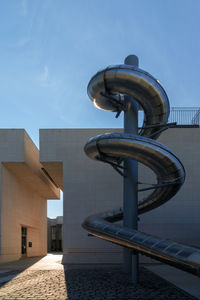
(130, 204)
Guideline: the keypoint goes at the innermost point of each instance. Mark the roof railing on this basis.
(185, 116)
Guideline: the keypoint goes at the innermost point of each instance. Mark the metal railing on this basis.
(185, 115)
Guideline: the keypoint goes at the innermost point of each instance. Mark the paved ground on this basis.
(181, 279)
(47, 279)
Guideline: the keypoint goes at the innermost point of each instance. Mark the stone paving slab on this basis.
(88, 284)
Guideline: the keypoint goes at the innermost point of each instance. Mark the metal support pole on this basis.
(130, 181)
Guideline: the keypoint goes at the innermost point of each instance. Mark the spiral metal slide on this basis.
(107, 89)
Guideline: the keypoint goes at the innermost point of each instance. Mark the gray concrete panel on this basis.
(90, 187)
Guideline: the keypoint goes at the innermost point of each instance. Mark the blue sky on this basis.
(49, 49)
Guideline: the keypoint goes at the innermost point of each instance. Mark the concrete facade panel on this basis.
(178, 219)
(90, 187)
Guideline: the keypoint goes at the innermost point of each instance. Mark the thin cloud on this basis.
(24, 8)
(44, 78)
(45, 74)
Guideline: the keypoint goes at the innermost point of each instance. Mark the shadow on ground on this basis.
(112, 284)
(46, 278)
(10, 270)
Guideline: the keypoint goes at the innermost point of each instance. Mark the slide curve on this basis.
(107, 90)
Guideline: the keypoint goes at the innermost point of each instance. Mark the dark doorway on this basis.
(24, 240)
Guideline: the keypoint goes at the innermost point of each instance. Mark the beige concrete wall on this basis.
(90, 187)
(24, 190)
(21, 206)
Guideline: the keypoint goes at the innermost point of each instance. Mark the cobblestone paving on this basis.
(36, 284)
(87, 284)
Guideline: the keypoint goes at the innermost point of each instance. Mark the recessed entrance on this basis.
(24, 240)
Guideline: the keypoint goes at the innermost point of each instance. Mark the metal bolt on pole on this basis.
(130, 181)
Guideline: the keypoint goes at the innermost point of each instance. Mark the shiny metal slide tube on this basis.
(107, 89)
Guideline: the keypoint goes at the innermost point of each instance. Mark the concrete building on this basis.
(54, 234)
(90, 187)
(24, 190)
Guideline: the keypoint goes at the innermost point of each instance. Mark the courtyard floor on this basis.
(46, 278)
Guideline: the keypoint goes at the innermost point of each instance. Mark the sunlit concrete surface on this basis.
(47, 262)
(33, 278)
(24, 190)
(45, 278)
